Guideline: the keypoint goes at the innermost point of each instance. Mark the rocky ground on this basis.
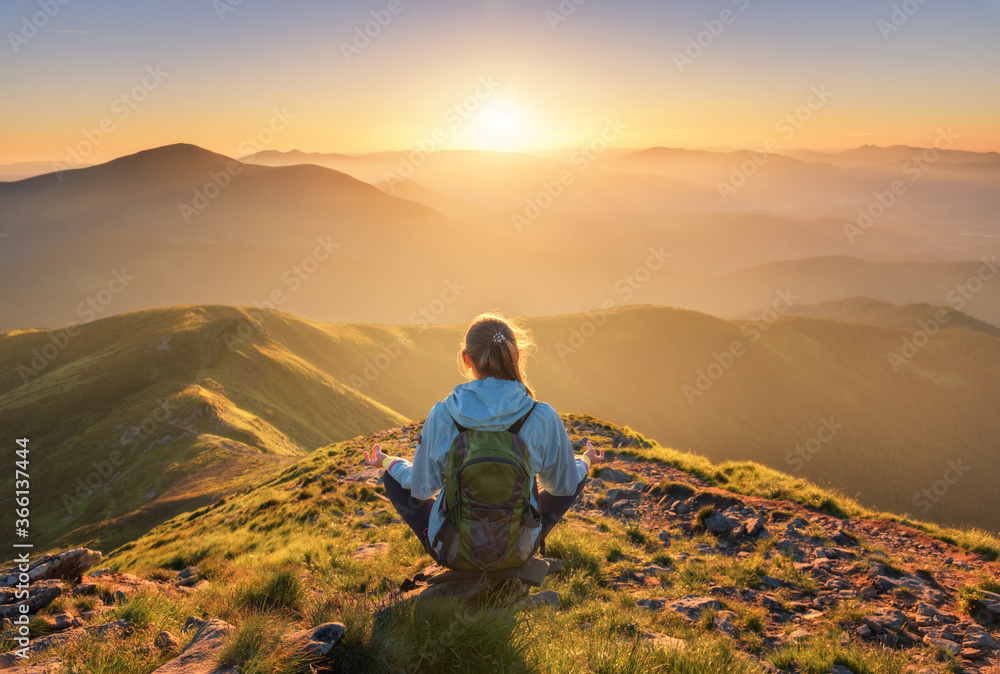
(882, 584)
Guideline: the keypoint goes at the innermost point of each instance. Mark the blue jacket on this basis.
(491, 405)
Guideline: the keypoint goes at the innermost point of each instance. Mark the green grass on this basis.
(256, 647)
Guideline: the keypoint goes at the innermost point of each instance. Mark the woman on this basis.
(496, 398)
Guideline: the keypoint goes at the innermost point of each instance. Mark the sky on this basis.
(85, 81)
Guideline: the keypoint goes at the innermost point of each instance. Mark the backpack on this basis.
(489, 515)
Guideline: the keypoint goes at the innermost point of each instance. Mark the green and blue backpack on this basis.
(489, 515)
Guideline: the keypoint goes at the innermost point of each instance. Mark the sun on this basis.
(501, 125)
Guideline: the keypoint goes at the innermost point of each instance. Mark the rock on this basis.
(198, 657)
(839, 669)
(651, 604)
(663, 641)
(754, 527)
(613, 475)
(62, 621)
(85, 588)
(544, 598)
(654, 569)
(555, 565)
(50, 666)
(788, 548)
(187, 572)
(980, 638)
(886, 619)
(616, 495)
(799, 635)
(166, 641)
(692, 606)
(725, 622)
(845, 537)
(865, 632)
(40, 645)
(665, 536)
(772, 583)
(95, 613)
(367, 551)
(943, 644)
(718, 523)
(318, 641)
(67, 565)
(41, 594)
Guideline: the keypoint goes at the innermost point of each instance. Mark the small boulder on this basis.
(199, 656)
(544, 598)
(692, 606)
(318, 641)
(614, 475)
(718, 523)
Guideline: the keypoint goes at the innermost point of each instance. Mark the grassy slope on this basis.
(288, 546)
(238, 406)
(155, 415)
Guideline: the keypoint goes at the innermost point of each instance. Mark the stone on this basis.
(85, 588)
(42, 593)
(655, 570)
(692, 606)
(799, 635)
(62, 621)
(839, 669)
(367, 551)
(663, 641)
(615, 495)
(651, 604)
(555, 565)
(198, 657)
(886, 619)
(187, 572)
(166, 641)
(66, 565)
(943, 644)
(50, 666)
(718, 523)
(318, 641)
(725, 622)
(772, 583)
(981, 638)
(665, 536)
(544, 598)
(788, 548)
(614, 475)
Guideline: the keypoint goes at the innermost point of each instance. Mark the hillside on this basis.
(249, 389)
(667, 563)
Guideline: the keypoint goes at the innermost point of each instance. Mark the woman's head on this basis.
(495, 346)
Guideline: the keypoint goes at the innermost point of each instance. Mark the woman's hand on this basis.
(376, 458)
(593, 455)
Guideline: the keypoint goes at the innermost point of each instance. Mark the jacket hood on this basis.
(488, 404)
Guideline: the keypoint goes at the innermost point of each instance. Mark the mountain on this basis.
(470, 230)
(666, 563)
(188, 402)
(879, 312)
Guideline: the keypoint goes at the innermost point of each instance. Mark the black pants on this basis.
(417, 512)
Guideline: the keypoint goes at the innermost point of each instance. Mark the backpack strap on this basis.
(516, 427)
(460, 427)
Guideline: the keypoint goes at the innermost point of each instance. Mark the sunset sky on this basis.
(523, 75)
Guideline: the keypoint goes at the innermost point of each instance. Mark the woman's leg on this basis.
(415, 512)
(554, 507)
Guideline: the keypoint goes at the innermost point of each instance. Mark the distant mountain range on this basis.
(187, 226)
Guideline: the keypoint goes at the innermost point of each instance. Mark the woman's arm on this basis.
(560, 472)
(425, 474)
